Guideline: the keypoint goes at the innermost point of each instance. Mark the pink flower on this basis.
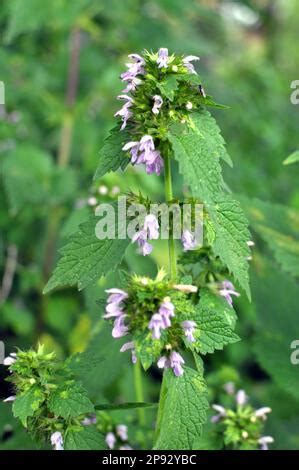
(176, 362)
(189, 328)
(166, 311)
(187, 63)
(158, 101)
(188, 240)
(227, 289)
(127, 347)
(156, 325)
(119, 328)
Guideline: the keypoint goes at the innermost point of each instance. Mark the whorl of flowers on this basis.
(148, 107)
(158, 316)
(241, 427)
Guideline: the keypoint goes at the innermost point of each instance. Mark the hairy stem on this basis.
(139, 391)
(169, 198)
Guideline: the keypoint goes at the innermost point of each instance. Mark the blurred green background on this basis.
(60, 62)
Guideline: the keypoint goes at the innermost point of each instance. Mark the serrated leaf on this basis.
(147, 349)
(218, 304)
(84, 438)
(213, 329)
(293, 158)
(231, 237)
(26, 404)
(100, 364)
(85, 258)
(69, 401)
(184, 410)
(112, 156)
(198, 151)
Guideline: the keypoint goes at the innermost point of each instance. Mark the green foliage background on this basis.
(60, 62)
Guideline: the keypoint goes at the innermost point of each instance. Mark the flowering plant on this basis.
(185, 312)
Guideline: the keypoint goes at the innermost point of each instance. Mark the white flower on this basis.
(110, 440)
(262, 412)
(187, 288)
(264, 441)
(57, 440)
(9, 360)
(221, 412)
(11, 398)
(241, 398)
(122, 432)
(92, 201)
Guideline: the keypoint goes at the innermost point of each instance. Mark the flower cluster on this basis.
(155, 313)
(147, 106)
(241, 428)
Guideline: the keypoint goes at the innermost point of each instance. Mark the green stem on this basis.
(169, 198)
(173, 275)
(139, 391)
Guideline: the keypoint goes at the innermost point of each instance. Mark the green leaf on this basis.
(231, 237)
(168, 86)
(85, 258)
(125, 406)
(69, 401)
(184, 410)
(84, 438)
(100, 364)
(277, 315)
(198, 151)
(112, 156)
(213, 329)
(293, 158)
(217, 304)
(147, 349)
(27, 404)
